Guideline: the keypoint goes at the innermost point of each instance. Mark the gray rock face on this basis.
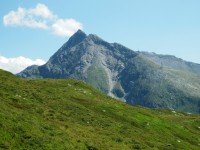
(138, 78)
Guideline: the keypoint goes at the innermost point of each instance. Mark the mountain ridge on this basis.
(138, 78)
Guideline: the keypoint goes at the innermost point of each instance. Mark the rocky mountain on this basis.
(138, 78)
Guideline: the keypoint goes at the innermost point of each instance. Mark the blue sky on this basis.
(160, 26)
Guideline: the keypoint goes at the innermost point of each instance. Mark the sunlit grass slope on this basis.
(68, 114)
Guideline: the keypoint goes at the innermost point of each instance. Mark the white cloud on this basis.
(66, 27)
(23, 17)
(42, 11)
(42, 18)
(14, 18)
(15, 65)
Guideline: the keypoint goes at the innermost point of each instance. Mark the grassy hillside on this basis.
(68, 114)
(97, 78)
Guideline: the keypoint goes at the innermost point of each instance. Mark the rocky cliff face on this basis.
(139, 78)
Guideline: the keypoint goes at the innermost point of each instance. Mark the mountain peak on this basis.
(76, 38)
(79, 32)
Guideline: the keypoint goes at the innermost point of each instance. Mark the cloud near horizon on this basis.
(41, 17)
(17, 64)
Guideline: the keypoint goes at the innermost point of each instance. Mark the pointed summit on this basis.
(79, 32)
(76, 38)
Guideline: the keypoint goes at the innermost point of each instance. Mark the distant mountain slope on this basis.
(139, 78)
(68, 114)
(173, 62)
